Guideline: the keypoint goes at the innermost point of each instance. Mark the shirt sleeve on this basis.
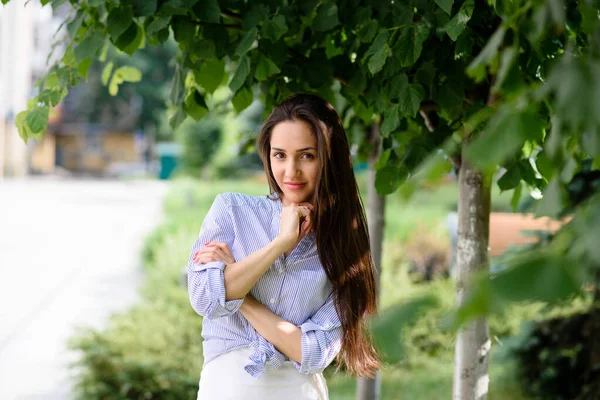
(206, 284)
(321, 339)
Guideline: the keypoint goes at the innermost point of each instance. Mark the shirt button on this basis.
(272, 301)
(280, 270)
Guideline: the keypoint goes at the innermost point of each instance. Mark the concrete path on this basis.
(69, 256)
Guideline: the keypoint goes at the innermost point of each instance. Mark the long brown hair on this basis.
(340, 225)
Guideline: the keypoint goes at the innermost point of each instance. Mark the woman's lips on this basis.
(294, 186)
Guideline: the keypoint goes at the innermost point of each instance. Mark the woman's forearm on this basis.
(285, 336)
(241, 276)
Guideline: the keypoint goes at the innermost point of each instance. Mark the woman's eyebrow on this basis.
(297, 151)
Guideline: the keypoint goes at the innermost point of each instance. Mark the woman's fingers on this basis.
(215, 251)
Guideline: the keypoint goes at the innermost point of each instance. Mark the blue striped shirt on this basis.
(294, 287)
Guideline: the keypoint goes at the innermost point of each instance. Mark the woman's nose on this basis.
(291, 168)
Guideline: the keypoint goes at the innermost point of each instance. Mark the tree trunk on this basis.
(471, 377)
(370, 389)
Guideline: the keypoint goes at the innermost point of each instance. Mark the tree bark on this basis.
(471, 379)
(370, 389)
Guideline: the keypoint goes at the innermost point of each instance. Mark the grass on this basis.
(419, 375)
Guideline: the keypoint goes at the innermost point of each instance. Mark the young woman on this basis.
(285, 282)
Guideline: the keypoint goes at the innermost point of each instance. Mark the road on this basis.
(69, 256)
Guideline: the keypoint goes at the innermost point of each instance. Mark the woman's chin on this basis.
(295, 197)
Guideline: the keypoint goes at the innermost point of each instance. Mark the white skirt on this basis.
(225, 378)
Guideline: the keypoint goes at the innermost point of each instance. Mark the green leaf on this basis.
(451, 95)
(177, 85)
(544, 166)
(143, 8)
(254, 16)
(331, 50)
(527, 172)
(383, 159)
(553, 200)
(505, 134)
(410, 43)
(445, 5)
(37, 119)
(378, 52)
(123, 74)
(391, 119)
(157, 24)
(457, 24)
(246, 42)
(204, 49)
(265, 68)
(176, 119)
(129, 74)
(510, 179)
(435, 167)
(426, 74)
(537, 277)
(398, 87)
(118, 20)
(242, 99)
(74, 25)
(52, 81)
(327, 17)
(84, 67)
(241, 73)
(516, 197)
(22, 127)
(590, 142)
(89, 46)
(477, 68)
(389, 178)
(410, 100)
(388, 334)
(55, 3)
(184, 30)
(402, 13)
(210, 75)
(368, 30)
(209, 11)
(129, 41)
(275, 28)
(379, 43)
(194, 105)
(506, 62)
(106, 73)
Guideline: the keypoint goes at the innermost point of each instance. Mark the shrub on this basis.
(559, 357)
(153, 351)
(200, 141)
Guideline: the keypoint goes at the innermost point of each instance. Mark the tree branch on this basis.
(231, 14)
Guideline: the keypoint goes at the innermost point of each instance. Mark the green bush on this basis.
(200, 141)
(153, 351)
(558, 356)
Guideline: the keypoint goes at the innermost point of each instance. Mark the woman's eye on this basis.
(278, 155)
(308, 155)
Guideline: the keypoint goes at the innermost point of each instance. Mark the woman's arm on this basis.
(285, 336)
(241, 276)
(311, 346)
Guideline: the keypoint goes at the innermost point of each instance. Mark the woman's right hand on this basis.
(296, 222)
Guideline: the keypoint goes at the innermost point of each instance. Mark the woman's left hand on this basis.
(214, 251)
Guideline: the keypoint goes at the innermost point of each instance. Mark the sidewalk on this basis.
(69, 256)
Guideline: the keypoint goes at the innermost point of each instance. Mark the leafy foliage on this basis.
(516, 83)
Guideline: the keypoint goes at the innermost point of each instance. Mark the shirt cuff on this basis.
(220, 307)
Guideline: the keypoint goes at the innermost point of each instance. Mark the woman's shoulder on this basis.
(236, 199)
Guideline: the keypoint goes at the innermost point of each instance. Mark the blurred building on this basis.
(25, 41)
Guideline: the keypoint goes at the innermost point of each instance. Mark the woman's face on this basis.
(294, 160)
